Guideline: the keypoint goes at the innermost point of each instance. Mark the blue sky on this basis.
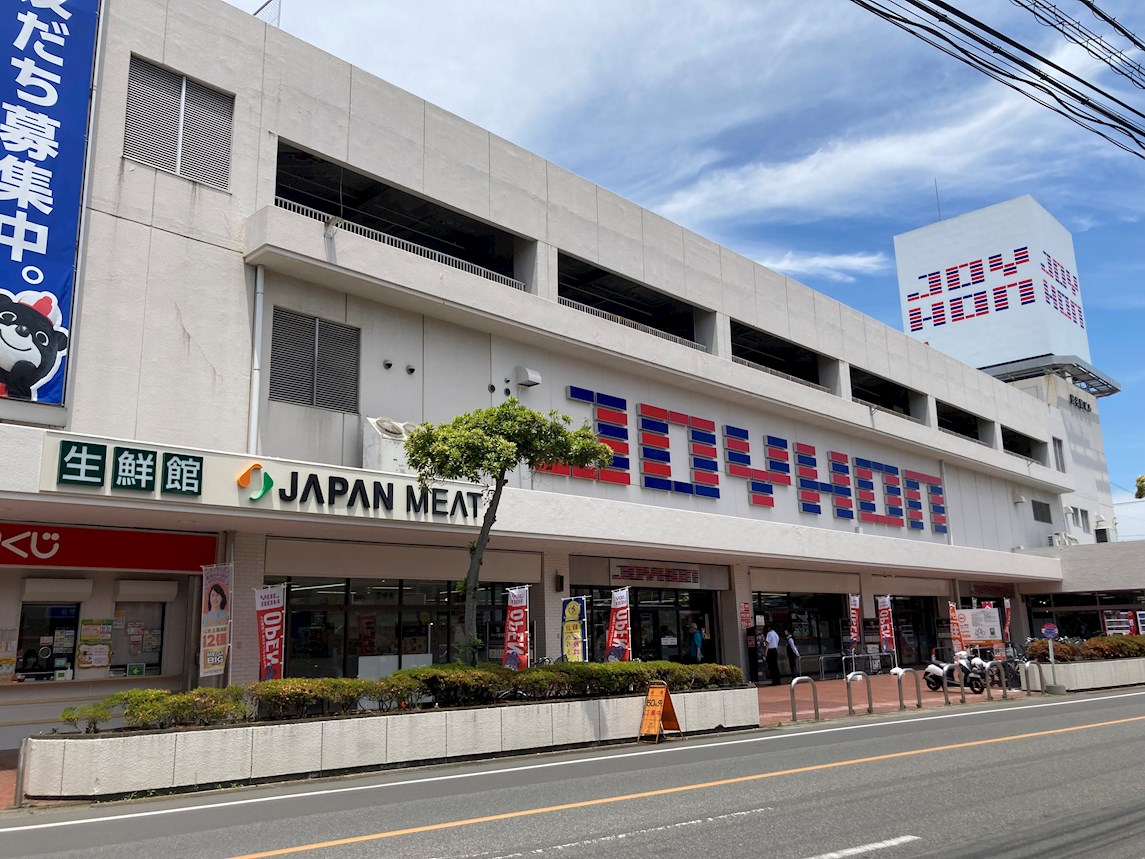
(802, 133)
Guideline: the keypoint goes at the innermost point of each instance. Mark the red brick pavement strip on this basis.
(774, 709)
(775, 701)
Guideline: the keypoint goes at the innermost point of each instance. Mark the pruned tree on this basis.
(485, 446)
(1140, 486)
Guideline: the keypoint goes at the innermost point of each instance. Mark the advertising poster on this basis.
(574, 632)
(215, 635)
(856, 622)
(1006, 619)
(956, 640)
(980, 627)
(270, 609)
(8, 649)
(516, 655)
(618, 644)
(44, 101)
(886, 626)
(95, 643)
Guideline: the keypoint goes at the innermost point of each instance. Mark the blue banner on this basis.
(44, 100)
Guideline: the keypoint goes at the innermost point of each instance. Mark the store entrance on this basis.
(661, 625)
(916, 628)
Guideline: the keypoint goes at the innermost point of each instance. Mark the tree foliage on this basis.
(1140, 486)
(484, 446)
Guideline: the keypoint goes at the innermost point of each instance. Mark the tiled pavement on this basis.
(774, 709)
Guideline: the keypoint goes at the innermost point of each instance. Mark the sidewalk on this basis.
(775, 701)
(774, 709)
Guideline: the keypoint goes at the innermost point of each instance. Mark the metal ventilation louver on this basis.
(178, 125)
(314, 362)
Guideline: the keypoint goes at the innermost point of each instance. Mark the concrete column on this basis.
(990, 433)
(714, 330)
(925, 408)
(250, 564)
(733, 642)
(535, 263)
(836, 376)
(545, 604)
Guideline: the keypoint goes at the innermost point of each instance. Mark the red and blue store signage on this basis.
(858, 489)
(44, 101)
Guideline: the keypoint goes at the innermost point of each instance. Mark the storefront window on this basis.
(660, 618)
(373, 627)
(137, 639)
(47, 645)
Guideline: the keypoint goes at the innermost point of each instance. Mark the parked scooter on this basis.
(959, 672)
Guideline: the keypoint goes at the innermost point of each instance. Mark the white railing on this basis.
(620, 320)
(736, 359)
(960, 435)
(879, 408)
(400, 244)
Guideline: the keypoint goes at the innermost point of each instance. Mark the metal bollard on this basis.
(1029, 667)
(945, 687)
(20, 764)
(814, 696)
(995, 665)
(898, 673)
(859, 676)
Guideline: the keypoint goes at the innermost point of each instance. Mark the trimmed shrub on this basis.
(1113, 647)
(396, 692)
(287, 698)
(1063, 651)
(90, 714)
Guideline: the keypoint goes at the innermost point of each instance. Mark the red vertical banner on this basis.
(270, 608)
(856, 623)
(215, 635)
(618, 645)
(516, 655)
(886, 626)
(956, 640)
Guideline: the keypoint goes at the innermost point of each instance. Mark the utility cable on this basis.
(998, 63)
(1049, 15)
(1112, 22)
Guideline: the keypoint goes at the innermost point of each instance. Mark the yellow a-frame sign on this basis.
(659, 714)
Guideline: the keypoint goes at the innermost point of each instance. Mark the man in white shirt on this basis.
(772, 642)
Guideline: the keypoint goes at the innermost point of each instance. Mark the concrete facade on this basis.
(180, 281)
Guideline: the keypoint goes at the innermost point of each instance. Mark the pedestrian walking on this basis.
(695, 643)
(772, 642)
(792, 652)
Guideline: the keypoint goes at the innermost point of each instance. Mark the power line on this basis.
(962, 37)
(1049, 15)
(1112, 22)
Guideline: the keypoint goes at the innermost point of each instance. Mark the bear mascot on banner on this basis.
(32, 343)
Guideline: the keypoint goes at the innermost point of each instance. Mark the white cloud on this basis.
(840, 268)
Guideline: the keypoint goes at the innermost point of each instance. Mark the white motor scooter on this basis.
(959, 672)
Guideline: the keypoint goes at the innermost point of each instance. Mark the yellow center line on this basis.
(588, 803)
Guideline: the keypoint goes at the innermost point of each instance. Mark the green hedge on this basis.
(452, 685)
(1101, 647)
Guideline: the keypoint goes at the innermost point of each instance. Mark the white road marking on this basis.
(606, 839)
(866, 848)
(230, 803)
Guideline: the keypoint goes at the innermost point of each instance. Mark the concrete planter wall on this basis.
(1079, 676)
(93, 766)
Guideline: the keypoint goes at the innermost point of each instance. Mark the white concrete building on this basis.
(278, 249)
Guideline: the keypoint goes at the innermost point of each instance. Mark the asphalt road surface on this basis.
(1040, 777)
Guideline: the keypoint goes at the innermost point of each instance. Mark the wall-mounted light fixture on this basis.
(559, 581)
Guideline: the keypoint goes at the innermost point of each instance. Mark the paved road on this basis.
(1029, 778)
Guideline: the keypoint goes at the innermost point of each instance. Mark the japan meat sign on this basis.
(44, 101)
(768, 468)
